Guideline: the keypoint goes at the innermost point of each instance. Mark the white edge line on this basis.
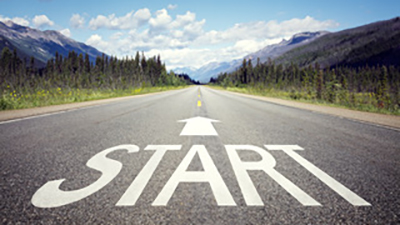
(48, 114)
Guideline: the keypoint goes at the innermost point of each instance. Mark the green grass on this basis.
(13, 99)
(363, 101)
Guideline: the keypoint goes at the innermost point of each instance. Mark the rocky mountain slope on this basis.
(372, 44)
(42, 45)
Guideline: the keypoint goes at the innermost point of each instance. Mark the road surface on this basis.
(197, 156)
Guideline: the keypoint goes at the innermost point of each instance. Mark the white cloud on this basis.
(161, 21)
(94, 39)
(142, 15)
(172, 7)
(130, 21)
(247, 46)
(18, 20)
(183, 57)
(261, 30)
(117, 36)
(77, 21)
(66, 32)
(99, 22)
(182, 41)
(237, 41)
(111, 48)
(194, 30)
(97, 41)
(183, 20)
(195, 57)
(41, 21)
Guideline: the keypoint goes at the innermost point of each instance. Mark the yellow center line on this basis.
(199, 103)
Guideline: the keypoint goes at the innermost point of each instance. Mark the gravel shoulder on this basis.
(390, 121)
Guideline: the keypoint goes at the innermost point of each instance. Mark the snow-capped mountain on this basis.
(213, 69)
(206, 72)
(42, 45)
(276, 50)
(185, 70)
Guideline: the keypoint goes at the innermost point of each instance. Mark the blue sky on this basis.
(192, 33)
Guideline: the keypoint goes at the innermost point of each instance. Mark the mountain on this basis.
(42, 45)
(184, 70)
(372, 44)
(213, 69)
(276, 50)
(5, 43)
(204, 73)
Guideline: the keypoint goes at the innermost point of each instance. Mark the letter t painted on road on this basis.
(134, 191)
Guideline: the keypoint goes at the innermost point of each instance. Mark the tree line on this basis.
(77, 71)
(368, 85)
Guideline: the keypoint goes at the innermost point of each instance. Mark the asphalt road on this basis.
(238, 181)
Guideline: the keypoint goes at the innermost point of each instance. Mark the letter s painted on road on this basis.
(50, 195)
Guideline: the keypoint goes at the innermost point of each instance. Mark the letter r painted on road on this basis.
(50, 195)
(267, 165)
(339, 188)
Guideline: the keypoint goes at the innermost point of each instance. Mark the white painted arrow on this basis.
(198, 126)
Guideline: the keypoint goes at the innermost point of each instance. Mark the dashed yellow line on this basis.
(199, 103)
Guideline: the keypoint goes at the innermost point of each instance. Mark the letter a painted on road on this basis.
(198, 126)
(209, 175)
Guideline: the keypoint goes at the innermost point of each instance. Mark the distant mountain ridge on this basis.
(213, 69)
(371, 44)
(204, 73)
(42, 45)
(276, 50)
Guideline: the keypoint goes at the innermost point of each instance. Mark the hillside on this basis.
(372, 44)
(276, 50)
(42, 45)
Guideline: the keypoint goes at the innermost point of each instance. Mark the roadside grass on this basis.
(361, 101)
(20, 99)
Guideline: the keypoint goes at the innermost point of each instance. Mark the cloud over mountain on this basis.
(18, 20)
(182, 40)
(41, 21)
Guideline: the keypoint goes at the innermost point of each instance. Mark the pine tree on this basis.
(243, 71)
(319, 83)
